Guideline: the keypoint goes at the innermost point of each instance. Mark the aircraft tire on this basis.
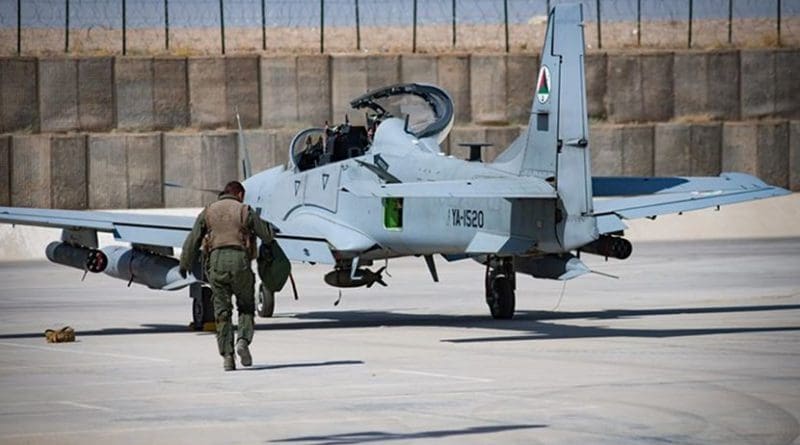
(202, 309)
(502, 300)
(265, 303)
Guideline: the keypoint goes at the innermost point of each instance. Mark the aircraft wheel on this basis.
(500, 298)
(265, 305)
(202, 308)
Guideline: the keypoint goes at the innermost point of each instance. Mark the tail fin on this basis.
(557, 144)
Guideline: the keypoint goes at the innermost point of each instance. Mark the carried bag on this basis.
(273, 266)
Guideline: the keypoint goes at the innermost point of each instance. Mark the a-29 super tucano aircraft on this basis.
(351, 195)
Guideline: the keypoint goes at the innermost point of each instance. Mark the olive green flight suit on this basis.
(228, 271)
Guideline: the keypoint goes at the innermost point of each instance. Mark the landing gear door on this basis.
(322, 188)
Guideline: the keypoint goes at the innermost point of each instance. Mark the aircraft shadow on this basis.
(302, 365)
(143, 329)
(532, 325)
(381, 436)
(527, 325)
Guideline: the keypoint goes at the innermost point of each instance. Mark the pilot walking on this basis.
(226, 229)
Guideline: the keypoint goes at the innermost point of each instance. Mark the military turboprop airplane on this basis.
(354, 194)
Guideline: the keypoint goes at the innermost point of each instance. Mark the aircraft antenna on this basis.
(244, 155)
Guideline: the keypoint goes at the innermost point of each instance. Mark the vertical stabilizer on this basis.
(556, 147)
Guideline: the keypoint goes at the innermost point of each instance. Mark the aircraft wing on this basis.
(151, 230)
(650, 197)
(517, 187)
(154, 230)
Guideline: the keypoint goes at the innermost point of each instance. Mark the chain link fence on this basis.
(187, 27)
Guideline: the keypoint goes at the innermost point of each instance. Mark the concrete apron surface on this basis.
(697, 342)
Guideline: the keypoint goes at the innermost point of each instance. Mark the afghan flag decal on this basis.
(543, 85)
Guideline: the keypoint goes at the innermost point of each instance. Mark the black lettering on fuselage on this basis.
(466, 218)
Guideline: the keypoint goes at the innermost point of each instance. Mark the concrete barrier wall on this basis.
(349, 79)
(687, 149)
(489, 89)
(30, 171)
(68, 164)
(170, 93)
(60, 94)
(706, 84)
(241, 91)
(639, 88)
(18, 95)
(207, 92)
(133, 86)
(759, 148)
(126, 170)
(196, 162)
(96, 94)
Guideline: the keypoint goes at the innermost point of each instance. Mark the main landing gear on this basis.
(202, 306)
(265, 302)
(500, 283)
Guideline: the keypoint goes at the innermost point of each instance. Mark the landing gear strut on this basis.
(500, 283)
(202, 306)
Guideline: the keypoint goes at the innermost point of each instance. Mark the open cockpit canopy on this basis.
(428, 108)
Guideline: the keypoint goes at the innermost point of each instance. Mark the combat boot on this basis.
(229, 363)
(244, 352)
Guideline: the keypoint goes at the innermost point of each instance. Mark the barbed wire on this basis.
(34, 26)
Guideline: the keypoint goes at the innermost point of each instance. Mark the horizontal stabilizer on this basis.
(684, 194)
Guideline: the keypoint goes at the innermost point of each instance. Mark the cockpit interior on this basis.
(426, 109)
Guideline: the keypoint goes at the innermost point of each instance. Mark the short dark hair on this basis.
(233, 188)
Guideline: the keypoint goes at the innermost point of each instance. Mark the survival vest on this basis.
(226, 222)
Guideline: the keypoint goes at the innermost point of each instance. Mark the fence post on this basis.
(730, 22)
(779, 22)
(263, 26)
(638, 22)
(414, 30)
(691, 15)
(321, 26)
(222, 24)
(505, 18)
(124, 28)
(454, 23)
(358, 29)
(19, 27)
(66, 27)
(166, 25)
(599, 34)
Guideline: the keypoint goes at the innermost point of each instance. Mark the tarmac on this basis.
(697, 342)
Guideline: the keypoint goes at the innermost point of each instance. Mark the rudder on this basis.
(556, 147)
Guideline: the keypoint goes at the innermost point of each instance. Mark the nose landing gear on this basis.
(500, 284)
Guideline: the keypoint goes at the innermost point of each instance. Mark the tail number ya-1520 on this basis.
(466, 218)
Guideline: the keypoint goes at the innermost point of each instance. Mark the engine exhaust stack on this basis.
(609, 246)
